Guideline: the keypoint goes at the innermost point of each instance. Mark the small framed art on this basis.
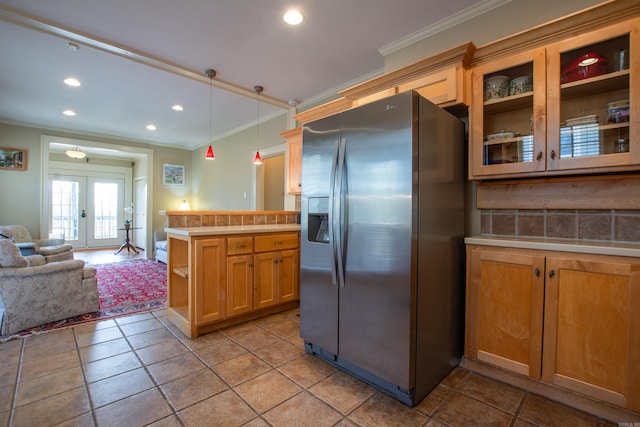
(13, 159)
(172, 174)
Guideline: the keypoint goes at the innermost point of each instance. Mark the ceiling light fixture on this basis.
(211, 74)
(69, 113)
(293, 17)
(151, 127)
(76, 153)
(72, 81)
(177, 107)
(257, 160)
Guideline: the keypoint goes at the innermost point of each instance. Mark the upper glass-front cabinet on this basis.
(508, 115)
(579, 114)
(593, 98)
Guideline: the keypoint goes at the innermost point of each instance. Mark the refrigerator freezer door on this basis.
(376, 332)
(318, 293)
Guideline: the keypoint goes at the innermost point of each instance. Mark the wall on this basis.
(220, 184)
(512, 17)
(20, 191)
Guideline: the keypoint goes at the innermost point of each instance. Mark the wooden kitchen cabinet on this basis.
(239, 275)
(563, 125)
(592, 327)
(294, 160)
(569, 319)
(221, 280)
(505, 300)
(441, 78)
(209, 255)
(276, 270)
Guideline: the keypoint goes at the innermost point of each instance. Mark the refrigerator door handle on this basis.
(332, 214)
(341, 209)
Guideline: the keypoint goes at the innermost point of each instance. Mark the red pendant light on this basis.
(210, 155)
(257, 160)
(211, 74)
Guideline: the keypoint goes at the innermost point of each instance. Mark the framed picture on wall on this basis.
(172, 174)
(13, 159)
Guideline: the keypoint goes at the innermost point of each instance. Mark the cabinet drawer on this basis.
(239, 245)
(276, 242)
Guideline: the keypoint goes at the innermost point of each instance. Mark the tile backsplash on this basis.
(603, 225)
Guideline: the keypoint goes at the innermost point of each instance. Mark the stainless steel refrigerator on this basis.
(383, 219)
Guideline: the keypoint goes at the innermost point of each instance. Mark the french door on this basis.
(87, 211)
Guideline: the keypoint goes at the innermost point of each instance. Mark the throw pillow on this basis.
(10, 255)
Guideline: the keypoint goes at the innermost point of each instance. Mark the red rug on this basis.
(124, 288)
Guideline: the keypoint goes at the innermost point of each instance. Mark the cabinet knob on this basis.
(539, 156)
(552, 273)
(537, 272)
(275, 261)
(552, 155)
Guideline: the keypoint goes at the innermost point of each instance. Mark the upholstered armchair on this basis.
(33, 292)
(51, 249)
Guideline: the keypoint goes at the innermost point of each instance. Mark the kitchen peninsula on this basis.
(229, 267)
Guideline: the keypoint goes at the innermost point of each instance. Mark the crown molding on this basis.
(443, 24)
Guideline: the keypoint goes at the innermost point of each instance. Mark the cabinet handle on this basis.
(539, 156)
(275, 261)
(250, 265)
(552, 273)
(299, 185)
(537, 272)
(240, 246)
(553, 155)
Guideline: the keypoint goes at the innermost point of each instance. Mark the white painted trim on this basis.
(443, 24)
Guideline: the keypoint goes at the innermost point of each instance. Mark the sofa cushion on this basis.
(10, 255)
(35, 260)
(54, 250)
(161, 245)
(88, 272)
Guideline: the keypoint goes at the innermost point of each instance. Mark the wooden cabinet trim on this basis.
(456, 56)
(582, 192)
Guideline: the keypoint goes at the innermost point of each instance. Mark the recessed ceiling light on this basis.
(293, 17)
(178, 107)
(72, 81)
(151, 127)
(69, 113)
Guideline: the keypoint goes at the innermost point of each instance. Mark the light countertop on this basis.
(599, 248)
(232, 229)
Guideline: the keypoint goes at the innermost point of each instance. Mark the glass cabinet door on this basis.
(508, 115)
(593, 121)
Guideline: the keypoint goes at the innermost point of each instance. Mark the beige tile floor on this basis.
(139, 370)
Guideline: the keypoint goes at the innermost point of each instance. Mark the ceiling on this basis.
(135, 59)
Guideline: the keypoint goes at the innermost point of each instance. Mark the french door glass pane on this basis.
(64, 208)
(106, 210)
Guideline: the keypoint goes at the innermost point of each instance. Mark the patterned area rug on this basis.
(124, 288)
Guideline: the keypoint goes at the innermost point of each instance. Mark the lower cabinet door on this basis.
(210, 266)
(265, 290)
(505, 298)
(239, 284)
(592, 328)
(288, 275)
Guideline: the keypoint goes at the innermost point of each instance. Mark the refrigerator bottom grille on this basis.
(408, 397)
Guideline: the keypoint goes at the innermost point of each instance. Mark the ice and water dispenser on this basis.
(318, 220)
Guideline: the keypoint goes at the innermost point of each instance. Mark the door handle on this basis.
(83, 214)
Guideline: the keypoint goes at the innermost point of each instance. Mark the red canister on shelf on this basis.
(590, 64)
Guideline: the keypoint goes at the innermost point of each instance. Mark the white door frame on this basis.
(257, 178)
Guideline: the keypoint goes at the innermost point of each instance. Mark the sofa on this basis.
(53, 250)
(33, 292)
(160, 239)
